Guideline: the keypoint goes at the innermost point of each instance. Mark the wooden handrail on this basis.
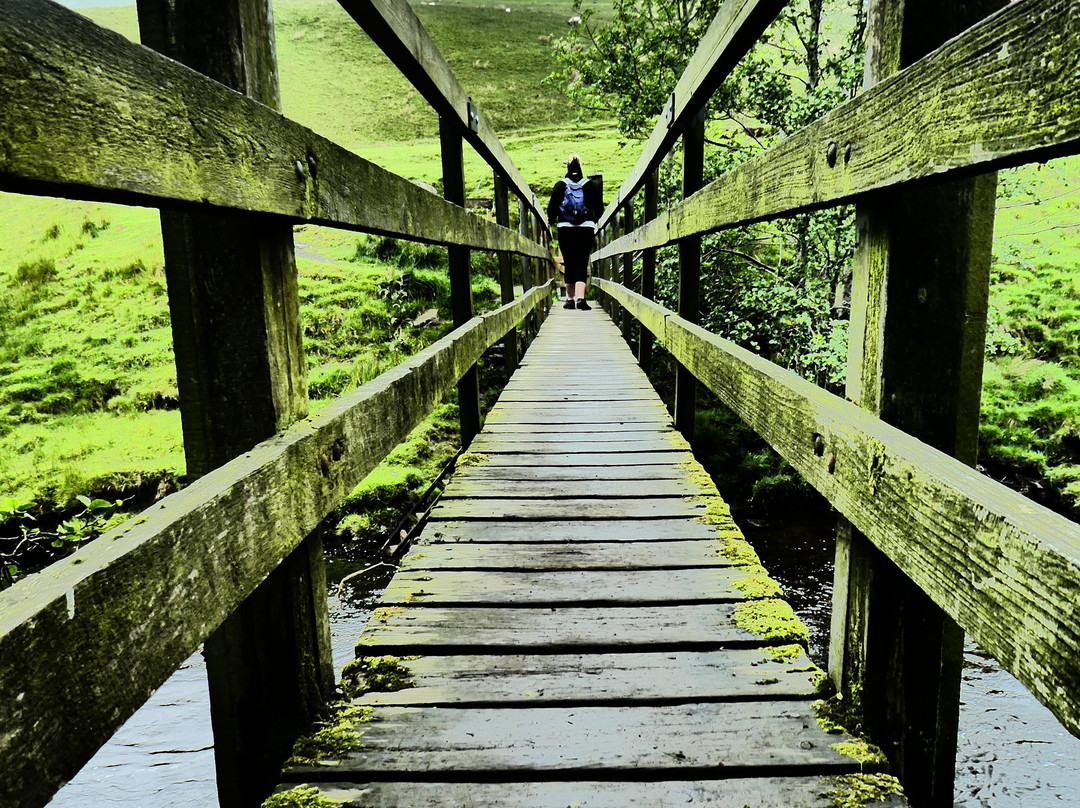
(394, 27)
(737, 26)
(1007, 570)
(966, 108)
(85, 113)
(85, 641)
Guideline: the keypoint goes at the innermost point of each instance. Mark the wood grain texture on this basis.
(563, 587)
(533, 510)
(88, 639)
(675, 741)
(500, 488)
(546, 474)
(569, 530)
(564, 556)
(405, 631)
(1002, 94)
(747, 674)
(1007, 570)
(767, 792)
(85, 113)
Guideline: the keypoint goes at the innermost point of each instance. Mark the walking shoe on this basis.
(569, 304)
(582, 305)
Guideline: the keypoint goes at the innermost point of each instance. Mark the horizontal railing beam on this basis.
(1004, 93)
(734, 30)
(394, 27)
(84, 113)
(84, 642)
(1007, 570)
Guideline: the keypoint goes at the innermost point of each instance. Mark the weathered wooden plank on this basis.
(569, 530)
(568, 587)
(613, 414)
(89, 638)
(395, 29)
(541, 473)
(1002, 94)
(499, 488)
(555, 556)
(402, 631)
(530, 509)
(547, 394)
(733, 31)
(594, 431)
(1007, 570)
(606, 459)
(667, 678)
(670, 741)
(494, 444)
(761, 792)
(87, 114)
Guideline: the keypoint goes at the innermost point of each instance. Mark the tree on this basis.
(776, 288)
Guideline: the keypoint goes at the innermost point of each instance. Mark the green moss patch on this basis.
(784, 653)
(856, 790)
(382, 674)
(471, 459)
(758, 586)
(333, 738)
(300, 797)
(771, 620)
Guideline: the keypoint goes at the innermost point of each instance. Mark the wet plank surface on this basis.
(576, 623)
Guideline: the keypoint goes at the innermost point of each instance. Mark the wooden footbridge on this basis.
(582, 623)
(585, 631)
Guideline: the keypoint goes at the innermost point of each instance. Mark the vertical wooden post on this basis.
(461, 304)
(526, 267)
(506, 272)
(627, 267)
(918, 327)
(240, 370)
(648, 272)
(689, 274)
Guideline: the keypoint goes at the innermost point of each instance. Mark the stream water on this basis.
(1012, 752)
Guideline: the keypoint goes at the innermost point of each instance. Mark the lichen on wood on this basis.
(300, 797)
(771, 620)
(857, 790)
(332, 738)
(382, 674)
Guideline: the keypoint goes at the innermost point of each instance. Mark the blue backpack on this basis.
(572, 209)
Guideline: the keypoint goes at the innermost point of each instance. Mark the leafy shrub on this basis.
(36, 274)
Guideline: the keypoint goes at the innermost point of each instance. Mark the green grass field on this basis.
(87, 386)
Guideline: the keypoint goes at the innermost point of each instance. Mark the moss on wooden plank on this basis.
(857, 790)
(332, 738)
(300, 797)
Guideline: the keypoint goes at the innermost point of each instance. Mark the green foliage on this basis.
(30, 543)
(778, 288)
(627, 66)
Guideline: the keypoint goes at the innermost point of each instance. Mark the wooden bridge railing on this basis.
(232, 560)
(932, 549)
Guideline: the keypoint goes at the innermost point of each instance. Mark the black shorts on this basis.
(576, 244)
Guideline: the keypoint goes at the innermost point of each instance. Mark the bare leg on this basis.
(580, 290)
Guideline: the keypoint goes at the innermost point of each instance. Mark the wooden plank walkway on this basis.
(581, 623)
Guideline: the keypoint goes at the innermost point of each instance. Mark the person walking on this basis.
(575, 205)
